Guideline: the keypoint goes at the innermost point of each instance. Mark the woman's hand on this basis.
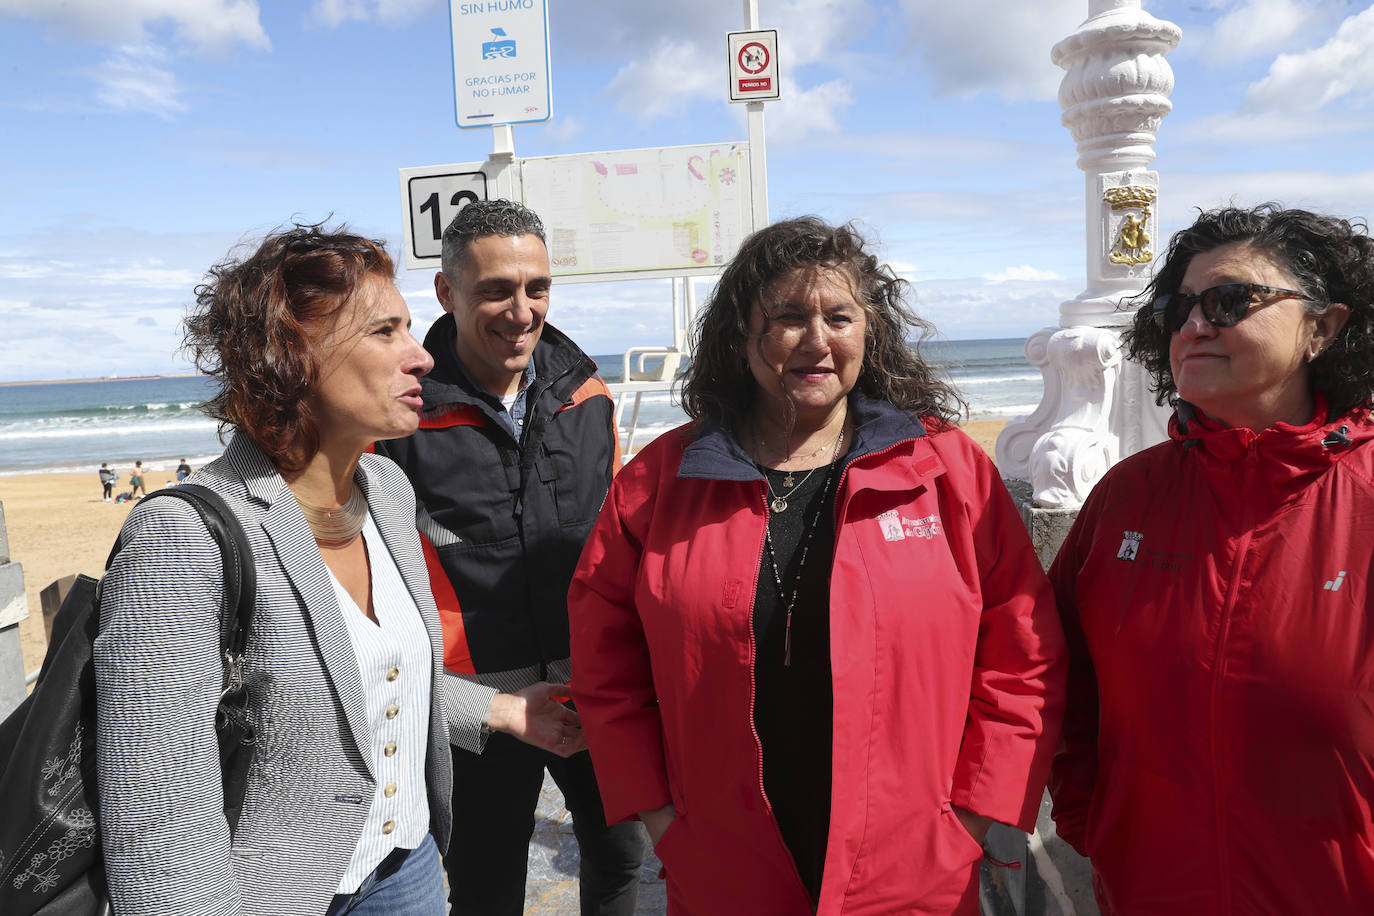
(658, 821)
(536, 716)
(976, 824)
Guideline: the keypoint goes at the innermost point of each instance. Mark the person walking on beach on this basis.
(516, 449)
(136, 482)
(107, 481)
(183, 471)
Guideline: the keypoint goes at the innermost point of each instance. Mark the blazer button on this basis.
(388, 826)
(392, 710)
(390, 789)
(393, 674)
(390, 748)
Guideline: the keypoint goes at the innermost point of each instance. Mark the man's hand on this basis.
(976, 824)
(657, 821)
(535, 716)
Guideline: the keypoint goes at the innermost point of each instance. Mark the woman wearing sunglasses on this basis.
(1218, 754)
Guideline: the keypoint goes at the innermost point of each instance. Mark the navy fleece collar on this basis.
(717, 455)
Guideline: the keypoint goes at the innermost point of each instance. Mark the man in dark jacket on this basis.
(515, 452)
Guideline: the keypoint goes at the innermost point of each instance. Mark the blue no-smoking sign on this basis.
(500, 62)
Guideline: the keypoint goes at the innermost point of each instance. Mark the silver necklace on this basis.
(779, 503)
(806, 547)
(335, 527)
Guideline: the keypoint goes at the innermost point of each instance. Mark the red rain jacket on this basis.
(1215, 590)
(948, 668)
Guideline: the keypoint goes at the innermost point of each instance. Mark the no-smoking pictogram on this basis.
(753, 57)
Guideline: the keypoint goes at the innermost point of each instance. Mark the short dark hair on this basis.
(1330, 258)
(250, 331)
(482, 218)
(719, 386)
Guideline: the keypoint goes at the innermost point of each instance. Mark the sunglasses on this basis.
(1223, 306)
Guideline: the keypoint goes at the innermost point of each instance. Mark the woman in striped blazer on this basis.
(346, 808)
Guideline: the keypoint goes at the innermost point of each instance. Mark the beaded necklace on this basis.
(805, 548)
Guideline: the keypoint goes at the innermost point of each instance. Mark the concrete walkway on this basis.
(551, 885)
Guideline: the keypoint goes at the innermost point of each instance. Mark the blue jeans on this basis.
(414, 889)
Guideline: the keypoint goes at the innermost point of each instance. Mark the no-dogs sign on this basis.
(753, 65)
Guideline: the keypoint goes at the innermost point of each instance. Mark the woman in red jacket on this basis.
(1218, 752)
(813, 649)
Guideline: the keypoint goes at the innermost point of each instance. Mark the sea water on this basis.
(75, 426)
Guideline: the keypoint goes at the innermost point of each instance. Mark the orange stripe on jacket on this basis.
(457, 655)
(449, 415)
(591, 388)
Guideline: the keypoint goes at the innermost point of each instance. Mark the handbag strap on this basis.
(236, 557)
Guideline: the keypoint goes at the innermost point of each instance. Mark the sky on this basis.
(145, 139)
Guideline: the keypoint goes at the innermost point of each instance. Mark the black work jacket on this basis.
(507, 519)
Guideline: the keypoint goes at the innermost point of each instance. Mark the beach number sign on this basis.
(433, 195)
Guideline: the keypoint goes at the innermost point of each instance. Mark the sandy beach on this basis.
(58, 525)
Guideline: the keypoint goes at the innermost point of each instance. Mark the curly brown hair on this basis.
(719, 386)
(1331, 259)
(251, 330)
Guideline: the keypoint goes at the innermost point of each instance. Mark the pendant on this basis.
(788, 481)
(779, 504)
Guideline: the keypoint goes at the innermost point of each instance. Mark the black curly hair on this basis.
(1331, 259)
(719, 386)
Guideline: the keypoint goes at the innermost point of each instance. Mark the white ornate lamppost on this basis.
(1097, 408)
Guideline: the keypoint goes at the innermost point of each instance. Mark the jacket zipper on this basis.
(753, 688)
(753, 651)
(1218, 678)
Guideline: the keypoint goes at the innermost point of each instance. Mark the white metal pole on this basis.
(758, 164)
(501, 166)
(689, 315)
(758, 146)
(677, 310)
(502, 140)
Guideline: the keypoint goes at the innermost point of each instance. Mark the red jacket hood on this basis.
(1289, 455)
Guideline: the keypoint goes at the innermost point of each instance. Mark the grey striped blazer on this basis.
(167, 846)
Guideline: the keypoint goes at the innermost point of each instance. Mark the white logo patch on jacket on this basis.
(1130, 545)
(895, 527)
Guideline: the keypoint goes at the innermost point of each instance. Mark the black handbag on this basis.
(50, 858)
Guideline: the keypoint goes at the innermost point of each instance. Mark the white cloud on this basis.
(133, 78)
(1253, 28)
(812, 30)
(149, 276)
(976, 46)
(387, 12)
(137, 76)
(657, 84)
(1309, 80)
(1347, 195)
(965, 308)
(207, 24)
(565, 128)
(1023, 272)
(685, 60)
(805, 111)
(1224, 133)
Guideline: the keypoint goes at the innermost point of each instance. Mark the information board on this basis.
(669, 211)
